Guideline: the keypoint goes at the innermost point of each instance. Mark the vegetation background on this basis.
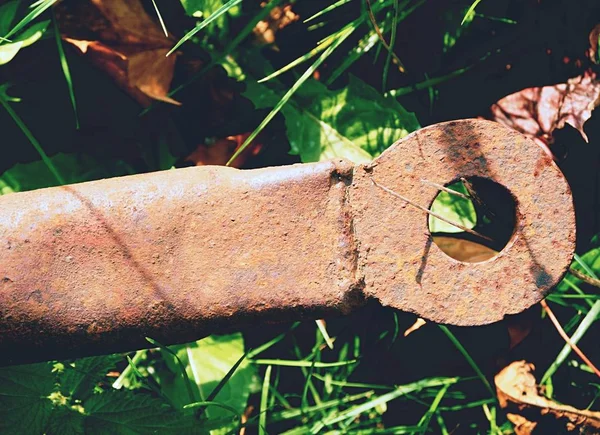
(103, 88)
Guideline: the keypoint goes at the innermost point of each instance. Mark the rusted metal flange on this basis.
(176, 255)
(404, 269)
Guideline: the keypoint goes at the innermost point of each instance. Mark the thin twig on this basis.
(445, 189)
(565, 337)
(473, 195)
(381, 38)
(435, 215)
(585, 278)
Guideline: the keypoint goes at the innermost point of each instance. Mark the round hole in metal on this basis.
(477, 219)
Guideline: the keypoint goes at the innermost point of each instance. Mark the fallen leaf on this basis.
(539, 111)
(532, 413)
(464, 250)
(279, 17)
(126, 43)
(221, 151)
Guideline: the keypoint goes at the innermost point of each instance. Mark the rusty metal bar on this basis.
(95, 267)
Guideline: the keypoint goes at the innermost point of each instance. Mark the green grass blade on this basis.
(226, 378)
(327, 9)
(387, 397)
(470, 11)
(312, 53)
(228, 50)
(160, 19)
(36, 12)
(264, 397)
(388, 59)
(426, 419)
(308, 73)
(468, 357)
(292, 363)
(186, 378)
(585, 324)
(139, 355)
(17, 119)
(205, 403)
(271, 342)
(65, 68)
(222, 10)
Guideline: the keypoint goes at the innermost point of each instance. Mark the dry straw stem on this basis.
(565, 337)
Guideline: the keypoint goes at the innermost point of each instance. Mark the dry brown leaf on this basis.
(221, 151)
(127, 44)
(464, 250)
(539, 111)
(532, 413)
(279, 17)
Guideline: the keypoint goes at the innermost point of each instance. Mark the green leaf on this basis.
(8, 12)
(65, 421)
(205, 8)
(24, 403)
(207, 362)
(9, 51)
(80, 377)
(125, 412)
(216, 16)
(455, 209)
(355, 122)
(76, 168)
(41, 7)
(592, 260)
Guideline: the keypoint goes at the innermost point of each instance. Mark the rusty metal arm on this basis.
(95, 267)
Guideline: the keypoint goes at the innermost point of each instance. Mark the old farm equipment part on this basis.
(176, 255)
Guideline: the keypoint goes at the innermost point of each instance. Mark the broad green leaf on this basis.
(9, 50)
(65, 421)
(355, 122)
(33, 380)
(8, 11)
(24, 404)
(125, 412)
(73, 168)
(40, 7)
(32, 34)
(79, 378)
(24, 415)
(207, 362)
(453, 208)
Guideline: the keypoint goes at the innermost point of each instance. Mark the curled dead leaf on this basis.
(122, 40)
(532, 413)
(539, 111)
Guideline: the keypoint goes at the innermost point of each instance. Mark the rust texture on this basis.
(95, 267)
(403, 268)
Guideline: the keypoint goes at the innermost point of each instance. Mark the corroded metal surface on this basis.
(404, 269)
(95, 267)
